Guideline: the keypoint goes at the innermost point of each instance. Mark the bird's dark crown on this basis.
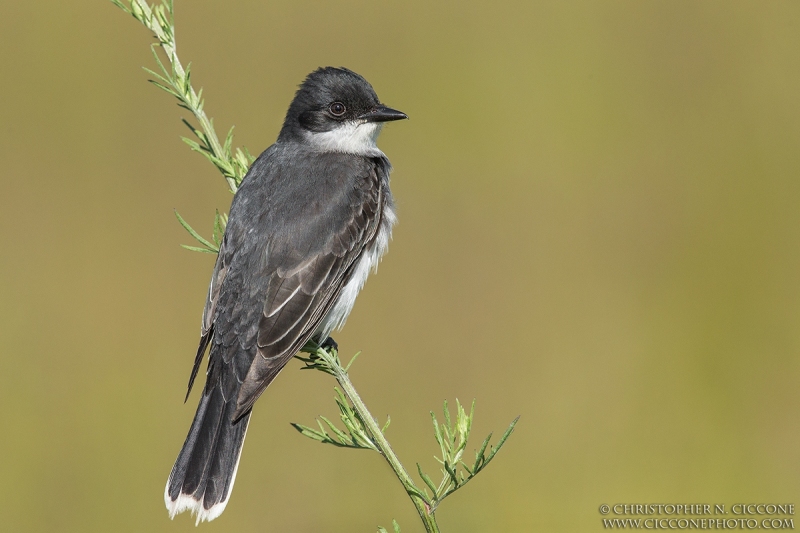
(328, 97)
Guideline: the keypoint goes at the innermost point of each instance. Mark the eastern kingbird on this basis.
(312, 218)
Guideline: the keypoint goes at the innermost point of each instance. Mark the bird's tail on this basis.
(202, 478)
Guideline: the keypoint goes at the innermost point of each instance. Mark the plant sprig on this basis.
(362, 431)
(356, 436)
(220, 222)
(177, 81)
(452, 438)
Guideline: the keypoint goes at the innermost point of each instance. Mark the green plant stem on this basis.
(159, 20)
(168, 45)
(200, 115)
(426, 513)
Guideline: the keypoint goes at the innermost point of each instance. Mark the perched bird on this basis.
(312, 218)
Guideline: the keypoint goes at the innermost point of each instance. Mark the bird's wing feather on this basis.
(207, 325)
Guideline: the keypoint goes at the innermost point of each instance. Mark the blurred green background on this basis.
(599, 230)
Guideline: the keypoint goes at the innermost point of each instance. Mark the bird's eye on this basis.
(337, 109)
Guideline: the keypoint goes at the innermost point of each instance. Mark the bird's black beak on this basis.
(383, 114)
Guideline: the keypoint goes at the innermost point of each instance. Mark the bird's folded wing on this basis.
(298, 300)
(271, 293)
(207, 327)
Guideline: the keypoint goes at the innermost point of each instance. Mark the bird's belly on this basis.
(368, 262)
(338, 314)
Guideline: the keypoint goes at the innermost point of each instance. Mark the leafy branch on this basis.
(357, 434)
(362, 431)
(176, 80)
(220, 222)
(452, 439)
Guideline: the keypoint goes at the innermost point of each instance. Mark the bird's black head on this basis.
(332, 99)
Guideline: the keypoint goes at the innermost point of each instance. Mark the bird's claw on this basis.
(330, 343)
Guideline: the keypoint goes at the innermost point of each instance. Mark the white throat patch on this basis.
(352, 137)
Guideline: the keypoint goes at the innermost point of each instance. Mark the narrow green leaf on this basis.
(198, 249)
(502, 441)
(120, 5)
(446, 410)
(340, 397)
(339, 433)
(249, 156)
(185, 104)
(411, 489)
(447, 430)
(204, 139)
(219, 228)
(479, 455)
(471, 417)
(350, 424)
(221, 165)
(353, 360)
(386, 425)
(462, 423)
(192, 144)
(194, 234)
(186, 81)
(451, 471)
(359, 429)
(362, 440)
(165, 88)
(228, 141)
(396, 526)
(427, 480)
(137, 11)
(191, 127)
(162, 67)
(436, 432)
(321, 427)
(158, 76)
(308, 432)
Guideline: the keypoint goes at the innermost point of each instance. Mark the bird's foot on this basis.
(330, 343)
